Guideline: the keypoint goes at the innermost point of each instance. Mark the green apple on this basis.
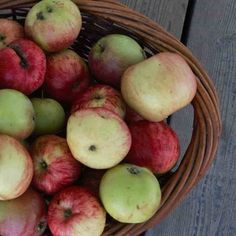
(112, 55)
(159, 86)
(16, 114)
(49, 116)
(98, 138)
(16, 168)
(53, 24)
(130, 194)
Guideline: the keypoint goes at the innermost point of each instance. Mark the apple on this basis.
(54, 25)
(17, 114)
(54, 165)
(130, 194)
(23, 66)
(98, 138)
(112, 55)
(91, 180)
(23, 216)
(159, 86)
(10, 31)
(67, 76)
(154, 146)
(49, 116)
(16, 168)
(101, 96)
(132, 116)
(75, 211)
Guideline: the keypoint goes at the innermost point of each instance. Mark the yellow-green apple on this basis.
(17, 114)
(159, 86)
(75, 211)
(10, 31)
(54, 166)
(101, 96)
(16, 168)
(23, 66)
(154, 145)
(54, 25)
(23, 216)
(90, 179)
(130, 194)
(98, 138)
(112, 55)
(49, 116)
(67, 76)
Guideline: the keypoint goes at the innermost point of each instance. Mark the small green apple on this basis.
(16, 114)
(49, 116)
(130, 194)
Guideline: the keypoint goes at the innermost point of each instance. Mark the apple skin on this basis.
(54, 25)
(98, 138)
(23, 67)
(91, 179)
(49, 116)
(130, 194)
(159, 86)
(112, 55)
(23, 216)
(67, 76)
(101, 96)
(17, 114)
(154, 146)
(132, 116)
(75, 211)
(10, 31)
(54, 166)
(16, 168)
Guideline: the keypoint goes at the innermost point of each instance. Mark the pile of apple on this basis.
(78, 141)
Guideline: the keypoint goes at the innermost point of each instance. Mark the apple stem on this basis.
(92, 148)
(41, 226)
(21, 55)
(2, 37)
(67, 213)
(40, 16)
(43, 165)
(133, 170)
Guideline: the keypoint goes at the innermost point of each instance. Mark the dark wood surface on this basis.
(210, 32)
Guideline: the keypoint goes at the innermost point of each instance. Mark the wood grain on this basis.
(210, 208)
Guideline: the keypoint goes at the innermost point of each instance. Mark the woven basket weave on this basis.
(108, 16)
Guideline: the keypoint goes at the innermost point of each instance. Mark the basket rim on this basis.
(207, 119)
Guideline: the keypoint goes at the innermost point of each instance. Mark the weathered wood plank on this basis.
(210, 208)
(168, 13)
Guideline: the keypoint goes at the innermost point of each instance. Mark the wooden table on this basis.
(208, 28)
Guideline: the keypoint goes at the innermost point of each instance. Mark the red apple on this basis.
(154, 145)
(23, 216)
(16, 168)
(91, 179)
(54, 165)
(54, 25)
(23, 66)
(101, 96)
(75, 211)
(112, 55)
(67, 76)
(10, 31)
(132, 116)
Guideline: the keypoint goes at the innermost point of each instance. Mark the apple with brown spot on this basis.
(75, 211)
(54, 25)
(67, 76)
(23, 66)
(98, 138)
(16, 168)
(154, 145)
(10, 31)
(102, 96)
(23, 216)
(54, 166)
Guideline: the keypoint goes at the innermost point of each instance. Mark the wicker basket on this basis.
(109, 16)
